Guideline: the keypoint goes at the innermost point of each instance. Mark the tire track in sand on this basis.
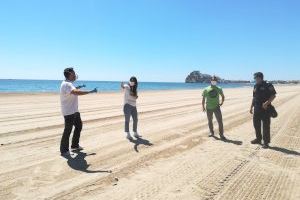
(252, 180)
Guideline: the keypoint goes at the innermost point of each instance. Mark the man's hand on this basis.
(94, 91)
(251, 110)
(265, 105)
(223, 99)
(203, 103)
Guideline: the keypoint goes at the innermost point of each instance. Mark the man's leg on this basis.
(77, 131)
(210, 120)
(257, 125)
(266, 128)
(219, 118)
(64, 144)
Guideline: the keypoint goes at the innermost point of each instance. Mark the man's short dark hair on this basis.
(214, 78)
(68, 71)
(259, 75)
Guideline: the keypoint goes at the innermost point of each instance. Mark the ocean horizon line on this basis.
(30, 85)
(27, 79)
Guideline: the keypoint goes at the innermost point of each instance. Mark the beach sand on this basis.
(175, 159)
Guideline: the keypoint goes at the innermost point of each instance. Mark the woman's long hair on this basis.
(133, 89)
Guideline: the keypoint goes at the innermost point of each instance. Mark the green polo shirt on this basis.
(212, 95)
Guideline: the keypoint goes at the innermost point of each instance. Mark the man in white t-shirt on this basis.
(69, 107)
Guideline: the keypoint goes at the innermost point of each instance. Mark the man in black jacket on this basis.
(263, 95)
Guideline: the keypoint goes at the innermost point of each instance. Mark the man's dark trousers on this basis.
(218, 115)
(261, 115)
(70, 121)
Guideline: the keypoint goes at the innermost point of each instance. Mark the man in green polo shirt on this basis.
(211, 105)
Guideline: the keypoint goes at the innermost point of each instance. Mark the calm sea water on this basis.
(34, 86)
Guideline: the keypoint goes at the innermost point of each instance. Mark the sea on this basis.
(53, 86)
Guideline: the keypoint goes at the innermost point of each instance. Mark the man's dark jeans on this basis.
(218, 115)
(70, 121)
(262, 116)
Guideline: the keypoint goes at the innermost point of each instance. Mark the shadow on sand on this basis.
(140, 141)
(286, 151)
(236, 142)
(79, 163)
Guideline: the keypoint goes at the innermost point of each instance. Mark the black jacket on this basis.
(262, 93)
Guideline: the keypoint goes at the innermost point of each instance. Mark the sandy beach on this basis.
(175, 159)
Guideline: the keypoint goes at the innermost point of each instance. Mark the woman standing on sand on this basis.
(130, 97)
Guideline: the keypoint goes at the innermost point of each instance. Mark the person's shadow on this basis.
(236, 142)
(79, 163)
(140, 141)
(286, 151)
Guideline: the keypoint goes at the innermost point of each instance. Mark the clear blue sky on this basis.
(156, 40)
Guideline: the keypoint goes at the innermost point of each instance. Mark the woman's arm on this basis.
(123, 85)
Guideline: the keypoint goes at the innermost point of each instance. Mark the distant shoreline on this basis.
(13, 79)
(142, 91)
(53, 86)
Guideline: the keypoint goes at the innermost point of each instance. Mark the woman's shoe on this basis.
(136, 135)
(128, 136)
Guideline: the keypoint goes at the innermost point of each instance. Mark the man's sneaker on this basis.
(222, 137)
(66, 154)
(77, 148)
(211, 135)
(136, 135)
(265, 146)
(128, 136)
(256, 141)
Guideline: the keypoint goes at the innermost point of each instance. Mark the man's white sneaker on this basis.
(128, 136)
(136, 135)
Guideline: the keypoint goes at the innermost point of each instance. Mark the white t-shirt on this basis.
(128, 98)
(69, 102)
